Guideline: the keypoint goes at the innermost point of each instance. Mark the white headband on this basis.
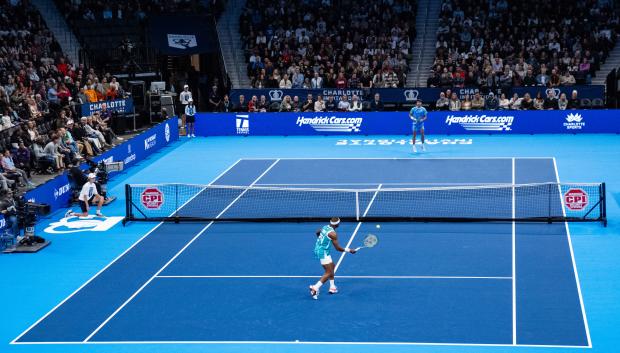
(335, 223)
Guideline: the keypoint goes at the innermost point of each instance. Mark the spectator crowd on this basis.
(42, 130)
(449, 100)
(505, 43)
(328, 44)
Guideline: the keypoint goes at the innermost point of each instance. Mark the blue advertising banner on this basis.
(124, 106)
(398, 123)
(57, 192)
(410, 95)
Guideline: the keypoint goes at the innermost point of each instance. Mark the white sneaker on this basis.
(423, 147)
(333, 290)
(314, 293)
(189, 136)
(99, 214)
(193, 135)
(415, 150)
(68, 213)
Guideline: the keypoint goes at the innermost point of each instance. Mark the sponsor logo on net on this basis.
(152, 198)
(242, 122)
(482, 122)
(150, 141)
(331, 123)
(86, 224)
(574, 121)
(402, 142)
(61, 190)
(182, 41)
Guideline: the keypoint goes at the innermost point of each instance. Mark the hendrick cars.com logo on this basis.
(576, 199)
(152, 198)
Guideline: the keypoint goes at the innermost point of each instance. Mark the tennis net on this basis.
(544, 202)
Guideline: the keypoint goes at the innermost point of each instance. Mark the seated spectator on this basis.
(356, 105)
(298, 79)
(242, 106)
(9, 167)
(562, 102)
(574, 102)
(330, 106)
(85, 145)
(263, 106)
(344, 104)
(567, 79)
(286, 105)
(527, 103)
(89, 134)
(226, 106)
(285, 83)
(491, 102)
(551, 102)
(317, 81)
(22, 158)
(319, 105)
(478, 102)
(308, 105)
(515, 102)
(433, 80)
(376, 105)
(504, 103)
(466, 104)
(296, 104)
(341, 81)
(102, 126)
(93, 131)
(542, 78)
(539, 102)
(442, 103)
(554, 80)
(53, 149)
(253, 104)
(45, 161)
(455, 103)
(529, 79)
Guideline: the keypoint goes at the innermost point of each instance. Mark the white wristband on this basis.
(347, 249)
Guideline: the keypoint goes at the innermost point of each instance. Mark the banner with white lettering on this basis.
(123, 106)
(398, 123)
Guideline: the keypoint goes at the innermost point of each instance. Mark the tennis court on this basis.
(502, 283)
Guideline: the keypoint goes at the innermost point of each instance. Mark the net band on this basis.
(548, 202)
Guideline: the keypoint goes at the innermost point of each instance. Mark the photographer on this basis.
(88, 194)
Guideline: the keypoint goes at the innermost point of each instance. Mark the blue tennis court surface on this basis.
(425, 283)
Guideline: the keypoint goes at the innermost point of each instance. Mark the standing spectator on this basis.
(442, 103)
(574, 102)
(319, 105)
(184, 97)
(356, 105)
(491, 102)
(376, 105)
(504, 103)
(455, 103)
(214, 99)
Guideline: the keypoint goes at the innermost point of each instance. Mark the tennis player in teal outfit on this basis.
(325, 237)
(418, 114)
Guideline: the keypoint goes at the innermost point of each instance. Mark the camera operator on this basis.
(9, 210)
(88, 194)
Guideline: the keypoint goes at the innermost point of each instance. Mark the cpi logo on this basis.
(276, 95)
(576, 199)
(152, 198)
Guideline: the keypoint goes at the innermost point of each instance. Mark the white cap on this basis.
(186, 86)
(190, 100)
(92, 176)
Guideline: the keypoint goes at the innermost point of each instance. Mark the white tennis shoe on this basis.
(333, 290)
(424, 147)
(314, 293)
(415, 150)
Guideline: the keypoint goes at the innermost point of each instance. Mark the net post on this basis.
(357, 205)
(603, 204)
(128, 202)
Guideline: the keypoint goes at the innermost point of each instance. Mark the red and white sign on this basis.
(152, 198)
(576, 199)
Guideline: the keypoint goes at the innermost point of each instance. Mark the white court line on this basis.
(349, 277)
(384, 184)
(119, 256)
(176, 255)
(572, 255)
(304, 343)
(383, 158)
(359, 224)
(514, 257)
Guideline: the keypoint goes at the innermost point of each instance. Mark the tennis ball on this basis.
(378, 226)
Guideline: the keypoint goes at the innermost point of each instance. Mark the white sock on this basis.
(332, 283)
(318, 285)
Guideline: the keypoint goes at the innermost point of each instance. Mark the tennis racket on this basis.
(369, 242)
